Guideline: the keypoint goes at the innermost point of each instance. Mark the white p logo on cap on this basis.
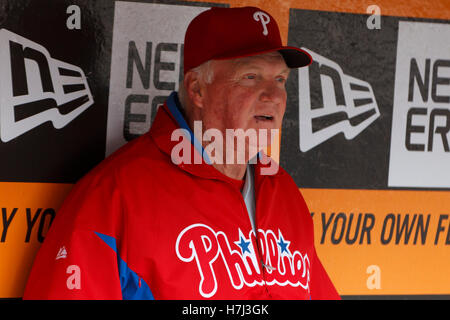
(264, 18)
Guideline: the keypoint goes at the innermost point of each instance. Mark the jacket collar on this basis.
(169, 118)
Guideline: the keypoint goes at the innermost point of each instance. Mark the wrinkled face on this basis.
(246, 93)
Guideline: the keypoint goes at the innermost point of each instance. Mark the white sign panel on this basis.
(420, 151)
(145, 65)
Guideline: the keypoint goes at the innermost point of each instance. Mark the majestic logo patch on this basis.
(62, 253)
(209, 248)
(35, 88)
(331, 102)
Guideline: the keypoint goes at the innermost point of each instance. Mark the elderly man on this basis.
(162, 219)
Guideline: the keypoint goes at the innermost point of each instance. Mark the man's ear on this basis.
(194, 88)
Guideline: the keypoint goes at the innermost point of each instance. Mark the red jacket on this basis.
(140, 227)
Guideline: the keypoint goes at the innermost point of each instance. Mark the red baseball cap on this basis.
(228, 33)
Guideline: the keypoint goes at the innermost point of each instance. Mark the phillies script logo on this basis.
(209, 248)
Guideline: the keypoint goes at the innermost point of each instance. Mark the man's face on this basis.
(246, 93)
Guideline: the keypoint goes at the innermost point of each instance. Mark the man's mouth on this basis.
(264, 117)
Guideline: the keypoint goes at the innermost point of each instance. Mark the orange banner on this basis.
(27, 210)
(436, 9)
(378, 242)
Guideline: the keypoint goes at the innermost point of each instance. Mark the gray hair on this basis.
(206, 72)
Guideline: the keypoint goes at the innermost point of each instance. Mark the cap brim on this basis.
(294, 57)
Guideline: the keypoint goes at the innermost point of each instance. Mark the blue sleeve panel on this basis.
(133, 287)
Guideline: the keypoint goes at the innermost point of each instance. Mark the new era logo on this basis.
(35, 88)
(331, 102)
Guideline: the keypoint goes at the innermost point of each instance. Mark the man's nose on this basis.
(271, 92)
